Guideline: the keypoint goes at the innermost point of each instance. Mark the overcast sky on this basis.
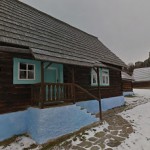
(122, 25)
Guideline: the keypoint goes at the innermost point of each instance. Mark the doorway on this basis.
(51, 75)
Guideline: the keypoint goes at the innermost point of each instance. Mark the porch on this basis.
(50, 94)
(43, 84)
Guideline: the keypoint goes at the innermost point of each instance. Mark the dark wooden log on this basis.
(99, 94)
(73, 81)
(83, 78)
(127, 86)
(13, 97)
(143, 84)
(42, 85)
(14, 50)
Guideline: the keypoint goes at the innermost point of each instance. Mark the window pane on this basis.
(103, 79)
(94, 79)
(30, 75)
(105, 72)
(23, 66)
(23, 74)
(30, 67)
(106, 80)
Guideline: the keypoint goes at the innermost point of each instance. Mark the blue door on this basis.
(51, 75)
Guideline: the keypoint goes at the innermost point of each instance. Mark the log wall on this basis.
(12, 97)
(83, 78)
(144, 84)
(127, 86)
(18, 97)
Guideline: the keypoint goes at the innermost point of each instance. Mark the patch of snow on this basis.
(140, 119)
(138, 116)
(141, 96)
(142, 92)
(90, 133)
(21, 143)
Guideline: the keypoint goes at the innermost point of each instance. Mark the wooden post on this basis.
(32, 95)
(42, 84)
(73, 87)
(99, 94)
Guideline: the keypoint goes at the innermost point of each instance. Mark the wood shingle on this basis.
(49, 38)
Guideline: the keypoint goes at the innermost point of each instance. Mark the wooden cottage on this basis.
(45, 62)
(141, 77)
(127, 85)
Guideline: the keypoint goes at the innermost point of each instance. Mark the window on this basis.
(93, 77)
(26, 71)
(105, 77)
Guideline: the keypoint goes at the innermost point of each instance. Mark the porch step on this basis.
(85, 110)
(50, 123)
(91, 106)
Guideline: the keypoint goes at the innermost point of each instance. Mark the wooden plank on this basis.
(14, 50)
(56, 92)
(12, 96)
(49, 94)
(42, 85)
(83, 78)
(72, 86)
(53, 93)
(99, 93)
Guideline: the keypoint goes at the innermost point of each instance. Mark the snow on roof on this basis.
(126, 76)
(141, 74)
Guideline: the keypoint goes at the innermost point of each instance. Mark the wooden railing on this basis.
(53, 93)
(36, 94)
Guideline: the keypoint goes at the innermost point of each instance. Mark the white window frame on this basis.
(93, 73)
(103, 75)
(26, 71)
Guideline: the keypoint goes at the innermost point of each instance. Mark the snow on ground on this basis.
(20, 143)
(139, 117)
(89, 133)
(141, 96)
(142, 92)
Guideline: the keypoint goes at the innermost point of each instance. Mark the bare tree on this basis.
(130, 68)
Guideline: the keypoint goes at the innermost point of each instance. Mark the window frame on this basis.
(101, 77)
(93, 73)
(27, 70)
(104, 76)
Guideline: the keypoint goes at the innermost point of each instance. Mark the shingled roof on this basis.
(126, 76)
(49, 38)
(141, 74)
